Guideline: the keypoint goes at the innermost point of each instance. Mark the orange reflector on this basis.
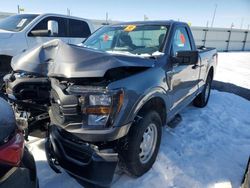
(121, 98)
(97, 110)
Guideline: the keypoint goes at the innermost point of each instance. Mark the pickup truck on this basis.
(110, 97)
(24, 31)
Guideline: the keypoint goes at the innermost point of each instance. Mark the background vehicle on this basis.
(17, 165)
(110, 97)
(24, 31)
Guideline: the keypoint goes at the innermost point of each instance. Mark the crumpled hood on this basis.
(56, 58)
(5, 34)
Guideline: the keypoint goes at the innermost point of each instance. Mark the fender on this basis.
(147, 96)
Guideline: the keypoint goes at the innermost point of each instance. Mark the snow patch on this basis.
(209, 148)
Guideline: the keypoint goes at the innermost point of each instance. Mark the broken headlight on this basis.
(99, 107)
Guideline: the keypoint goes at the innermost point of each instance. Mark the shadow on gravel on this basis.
(231, 88)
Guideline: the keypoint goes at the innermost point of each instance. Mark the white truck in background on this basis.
(23, 31)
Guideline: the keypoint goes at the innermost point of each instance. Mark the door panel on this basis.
(183, 77)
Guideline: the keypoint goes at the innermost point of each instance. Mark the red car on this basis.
(17, 165)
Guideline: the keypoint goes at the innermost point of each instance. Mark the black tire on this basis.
(130, 154)
(202, 99)
(29, 163)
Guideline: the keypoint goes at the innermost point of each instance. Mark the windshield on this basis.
(16, 22)
(144, 40)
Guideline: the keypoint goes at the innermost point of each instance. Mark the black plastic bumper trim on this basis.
(98, 169)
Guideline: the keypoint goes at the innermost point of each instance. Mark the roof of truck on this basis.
(156, 22)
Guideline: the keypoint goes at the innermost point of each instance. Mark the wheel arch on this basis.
(155, 103)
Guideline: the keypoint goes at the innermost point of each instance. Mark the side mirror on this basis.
(53, 27)
(187, 57)
(39, 33)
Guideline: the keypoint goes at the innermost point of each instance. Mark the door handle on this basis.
(195, 66)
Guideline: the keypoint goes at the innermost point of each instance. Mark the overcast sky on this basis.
(197, 12)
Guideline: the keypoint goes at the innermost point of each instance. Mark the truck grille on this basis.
(63, 113)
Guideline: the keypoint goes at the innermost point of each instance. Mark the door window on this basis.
(78, 29)
(181, 41)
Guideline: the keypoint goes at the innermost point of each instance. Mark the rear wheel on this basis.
(202, 99)
(143, 143)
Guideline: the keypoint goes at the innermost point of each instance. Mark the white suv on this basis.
(23, 31)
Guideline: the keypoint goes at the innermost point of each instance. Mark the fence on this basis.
(223, 39)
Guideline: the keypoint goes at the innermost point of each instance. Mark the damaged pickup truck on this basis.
(110, 98)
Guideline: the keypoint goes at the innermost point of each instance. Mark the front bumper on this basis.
(80, 159)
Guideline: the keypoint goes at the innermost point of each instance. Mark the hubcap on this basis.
(148, 143)
(207, 91)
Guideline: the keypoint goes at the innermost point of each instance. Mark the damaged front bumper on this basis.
(80, 159)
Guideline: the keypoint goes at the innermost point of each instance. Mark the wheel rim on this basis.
(207, 91)
(148, 143)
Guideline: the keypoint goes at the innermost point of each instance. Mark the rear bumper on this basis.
(80, 159)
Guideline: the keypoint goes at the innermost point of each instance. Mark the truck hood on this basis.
(5, 34)
(58, 59)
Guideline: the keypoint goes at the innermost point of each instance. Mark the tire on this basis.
(132, 156)
(29, 163)
(202, 99)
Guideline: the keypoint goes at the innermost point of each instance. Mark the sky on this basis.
(196, 12)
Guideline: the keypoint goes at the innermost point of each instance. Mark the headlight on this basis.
(99, 107)
(103, 100)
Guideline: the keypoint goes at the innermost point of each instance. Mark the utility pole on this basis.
(207, 24)
(241, 23)
(18, 9)
(212, 24)
(68, 11)
(107, 17)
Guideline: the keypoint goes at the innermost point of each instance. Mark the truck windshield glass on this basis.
(143, 40)
(17, 22)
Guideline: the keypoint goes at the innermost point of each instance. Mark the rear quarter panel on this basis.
(208, 60)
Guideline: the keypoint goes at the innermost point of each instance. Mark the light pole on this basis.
(241, 23)
(212, 24)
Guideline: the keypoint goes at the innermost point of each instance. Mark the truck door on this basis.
(43, 26)
(183, 76)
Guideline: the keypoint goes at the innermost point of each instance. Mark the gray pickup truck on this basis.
(111, 96)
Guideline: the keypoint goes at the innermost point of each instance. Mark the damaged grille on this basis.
(64, 109)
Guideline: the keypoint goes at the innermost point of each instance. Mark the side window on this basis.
(78, 29)
(181, 41)
(62, 25)
(105, 41)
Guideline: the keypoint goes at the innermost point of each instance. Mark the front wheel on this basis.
(202, 99)
(143, 143)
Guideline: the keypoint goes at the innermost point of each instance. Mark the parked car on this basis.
(21, 32)
(110, 98)
(17, 165)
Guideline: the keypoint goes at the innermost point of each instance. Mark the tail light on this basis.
(11, 153)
